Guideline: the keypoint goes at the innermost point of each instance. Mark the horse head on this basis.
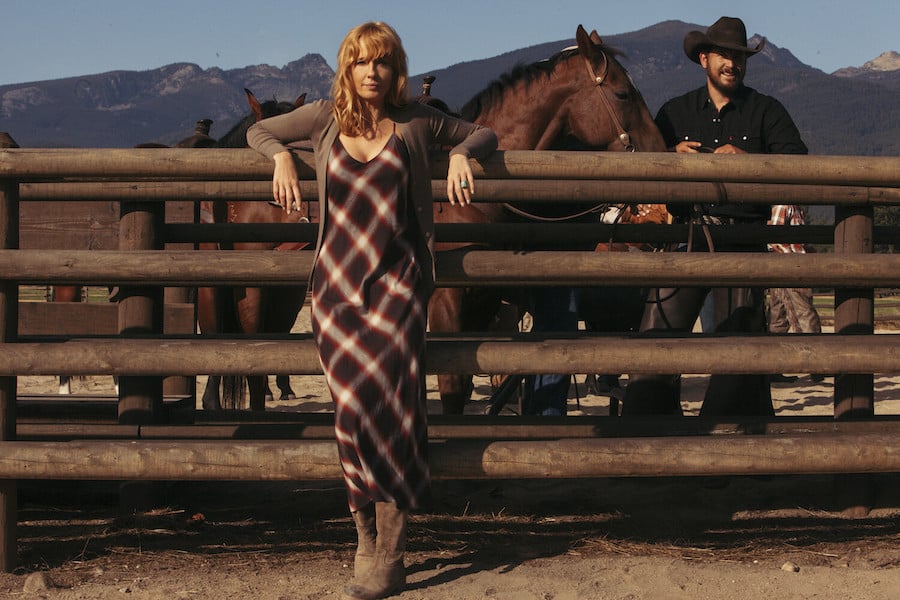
(237, 135)
(580, 98)
(607, 111)
(270, 108)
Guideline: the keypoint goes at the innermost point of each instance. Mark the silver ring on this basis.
(463, 184)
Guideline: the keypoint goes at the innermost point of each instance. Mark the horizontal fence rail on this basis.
(522, 353)
(462, 268)
(489, 190)
(284, 460)
(242, 164)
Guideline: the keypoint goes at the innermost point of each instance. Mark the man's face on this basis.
(725, 69)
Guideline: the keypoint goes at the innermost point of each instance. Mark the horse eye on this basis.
(623, 95)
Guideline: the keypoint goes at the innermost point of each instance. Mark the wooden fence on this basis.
(141, 180)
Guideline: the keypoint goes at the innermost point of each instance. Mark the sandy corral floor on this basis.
(740, 538)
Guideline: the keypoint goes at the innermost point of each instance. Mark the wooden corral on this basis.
(141, 181)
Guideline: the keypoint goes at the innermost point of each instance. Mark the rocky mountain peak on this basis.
(885, 62)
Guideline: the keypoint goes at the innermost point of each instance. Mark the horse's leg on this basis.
(210, 399)
(284, 386)
(250, 311)
(285, 391)
(445, 314)
(452, 310)
(208, 308)
(282, 307)
(65, 385)
(258, 385)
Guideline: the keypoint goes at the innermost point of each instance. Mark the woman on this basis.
(372, 277)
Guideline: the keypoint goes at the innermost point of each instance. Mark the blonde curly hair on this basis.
(380, 40)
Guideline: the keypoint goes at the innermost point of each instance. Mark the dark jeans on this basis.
(677, 309)
(552, 309)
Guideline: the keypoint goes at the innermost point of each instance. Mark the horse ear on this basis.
(583, 40)
(580, 32)
(300, 100)
(254, 104)
(595, 37)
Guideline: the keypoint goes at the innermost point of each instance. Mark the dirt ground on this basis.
(741, 538)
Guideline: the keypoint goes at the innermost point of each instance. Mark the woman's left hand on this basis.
(460, 182)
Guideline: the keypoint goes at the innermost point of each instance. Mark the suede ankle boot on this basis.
(364, 519)
(387, 576)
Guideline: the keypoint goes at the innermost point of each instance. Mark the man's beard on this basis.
(725, 88)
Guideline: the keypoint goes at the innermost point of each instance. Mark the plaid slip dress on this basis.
(369, 321)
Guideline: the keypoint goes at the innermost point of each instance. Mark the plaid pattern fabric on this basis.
(787, 214)
(369, 321)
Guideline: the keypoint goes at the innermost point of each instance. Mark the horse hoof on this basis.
(288, 397)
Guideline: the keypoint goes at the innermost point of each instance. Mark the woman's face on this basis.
(372, 77)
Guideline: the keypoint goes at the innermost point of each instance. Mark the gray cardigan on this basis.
(420, 127)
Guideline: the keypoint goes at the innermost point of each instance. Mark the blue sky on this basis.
(50, 39)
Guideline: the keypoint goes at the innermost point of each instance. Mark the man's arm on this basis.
(781, 135)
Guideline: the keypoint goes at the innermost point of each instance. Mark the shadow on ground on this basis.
(483, 524)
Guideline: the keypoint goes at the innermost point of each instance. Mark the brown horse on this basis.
(581, 98)
(248, 310)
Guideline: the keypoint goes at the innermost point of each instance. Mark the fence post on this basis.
(140, 312)
(9, 325)
(180, 212)
(854, 313)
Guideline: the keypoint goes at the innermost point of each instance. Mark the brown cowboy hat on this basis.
(727, 32)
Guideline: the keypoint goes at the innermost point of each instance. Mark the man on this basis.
(791, 309)
(724, 117)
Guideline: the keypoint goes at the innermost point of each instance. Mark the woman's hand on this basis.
(286, 183)
(460, 182)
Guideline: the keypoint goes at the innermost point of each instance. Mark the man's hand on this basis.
(690, 147)
(729, 149)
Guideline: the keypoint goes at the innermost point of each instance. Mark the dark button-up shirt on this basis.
(753, 122)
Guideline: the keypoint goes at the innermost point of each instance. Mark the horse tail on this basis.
(233, 388)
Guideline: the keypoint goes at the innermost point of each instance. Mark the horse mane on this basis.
(484, 100)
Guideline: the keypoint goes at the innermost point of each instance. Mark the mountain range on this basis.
(853, 111)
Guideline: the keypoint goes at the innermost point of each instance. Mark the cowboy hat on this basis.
(727, 32)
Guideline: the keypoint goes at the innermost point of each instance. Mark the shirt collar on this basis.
(737, 101)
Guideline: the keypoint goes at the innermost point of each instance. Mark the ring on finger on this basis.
(463, 184)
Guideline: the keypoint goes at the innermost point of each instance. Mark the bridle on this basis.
(622, 135)
(599, 81)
